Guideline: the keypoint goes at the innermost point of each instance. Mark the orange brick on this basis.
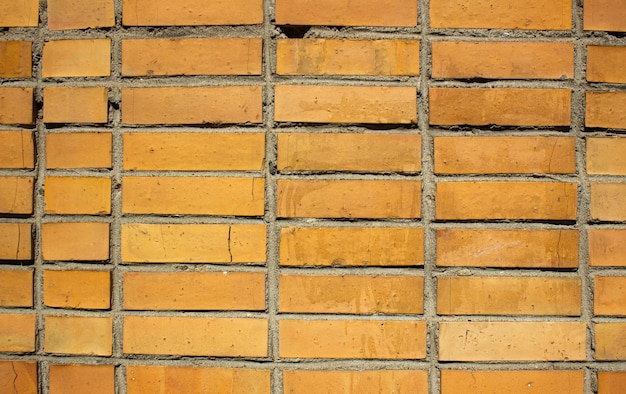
(77, 58)
(609, 297)
(506, 200)
(499, 295)
(605, 156)
(504, 60)
(351, 246)
(16, 288)
(500, 106)
(349, 152)
(192, 56)
(195, 380)
(505, 155)
(611, 382)
(345, 104)
(75, 105)
(606, 109)
(78, 195)
(17, 332)
(328, 56)
(507, 248)
(191, 12)
(19, 13)
(76, 14)
(389, 381)
(194, 151)
(196, 336)
(605, 64)
(607, 201)
(605, 15)
(15, 241)
(359, 198)
(610, 341)
(77, 289)
(16, 195)
(347, 12)
(18, 377)
(369, 339)
(194, 195)
(501, 14)
(78, 335)
(68, 379)
(75, 241)
(16, 105)
(17, 149)
(351, 294)
(607, 247)
(497, 381)
(78, 150)
(15, 59)
(192, 105)
(193, 243)
(194, 291)
(512, 341)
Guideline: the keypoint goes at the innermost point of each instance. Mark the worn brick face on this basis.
(17, 148)
(87, 335)
(15, 59)
(18, 376)
(73, 14)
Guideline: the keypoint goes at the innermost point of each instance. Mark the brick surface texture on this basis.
(298, 196)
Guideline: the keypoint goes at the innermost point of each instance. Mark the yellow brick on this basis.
(75, 104)
(605, 15)
(605, 63)
(606, 109)
(389, 381)
(88, 335)
(607, 201)
(16, 105)
(75, 14)
(607, 247)
(77, 289)
(609, 296)
(78, 150)
(518, 381)
(15, 241)
(75, 241)
(17, 332)
(16, 288)
(16, 195)
(19, 13)
(610, 341)
(15, 59)
(78, 195)
(17, 149)
(76, 58)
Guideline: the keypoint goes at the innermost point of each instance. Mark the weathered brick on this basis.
(368, 339)
(87, 335)
(499, 295)
(75, 104)
(506, 200)
(349, 246)
(605, 156)
(609, 296)
(505, 155)
(607, 201)
(512, 341)
(15, 59)
(607, 247)
(349, 152)
(610, 341)
(194, 195)
(19, 13)
(77, 289)
(329, 56)
(351, 294)
(194, 291)
(500, 106)
(78, 150)
(611, 382)
(503, 60)
(18, 377)
(16, 195)
(606, 109)
(605, 63)
(77, 58)
(76, 14)
(17, 149)
(75, 241)
(72, 378)
(194, 151)
(345, 104)
(15, 241)
(16, 105)
(605, 15)
(517, 381)
(17, 332)
(192, 56)
(196, 336)
(388, 381)
(78, 195)
(16, 288)
(193, 243)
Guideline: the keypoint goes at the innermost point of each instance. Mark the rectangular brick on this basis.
(78, 195)
(517, 381)
(78, 150)
(501, 14)
(606, 109)
(19, 13)
(88, 335)
(192, 56)
(502, 60)
(16, 195)
(500, 106)
(505, 155)
(387, 381)
(605, 63)
(506, 200)
(351, 294)
(347, 12)
(345, 104)
(18, 376)
(75, 241)
(330, 56)
(607, 15)
(16, 288)
(610, 341)
(523, 248)
(193, 195)
(191, 12)
(74, 378)
(15, 59)
(351, 246)
(349, 152)
(194, 151)
(17, 332)
(16, 105)
(607, 247)
(74, 289)
(367, 339)
(142, 379)
(17, 149)
(611, 382)
(512, 341)
(70, 14)
(607, 201)
(194, 291)
(609, 296)
(605, 156)
(195, 336)
(15, 241)
(76, 58)
(75, 104)
(497, 295)
(193, 243)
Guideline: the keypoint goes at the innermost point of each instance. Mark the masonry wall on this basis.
(293, 196)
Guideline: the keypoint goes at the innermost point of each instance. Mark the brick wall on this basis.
(302, 196)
